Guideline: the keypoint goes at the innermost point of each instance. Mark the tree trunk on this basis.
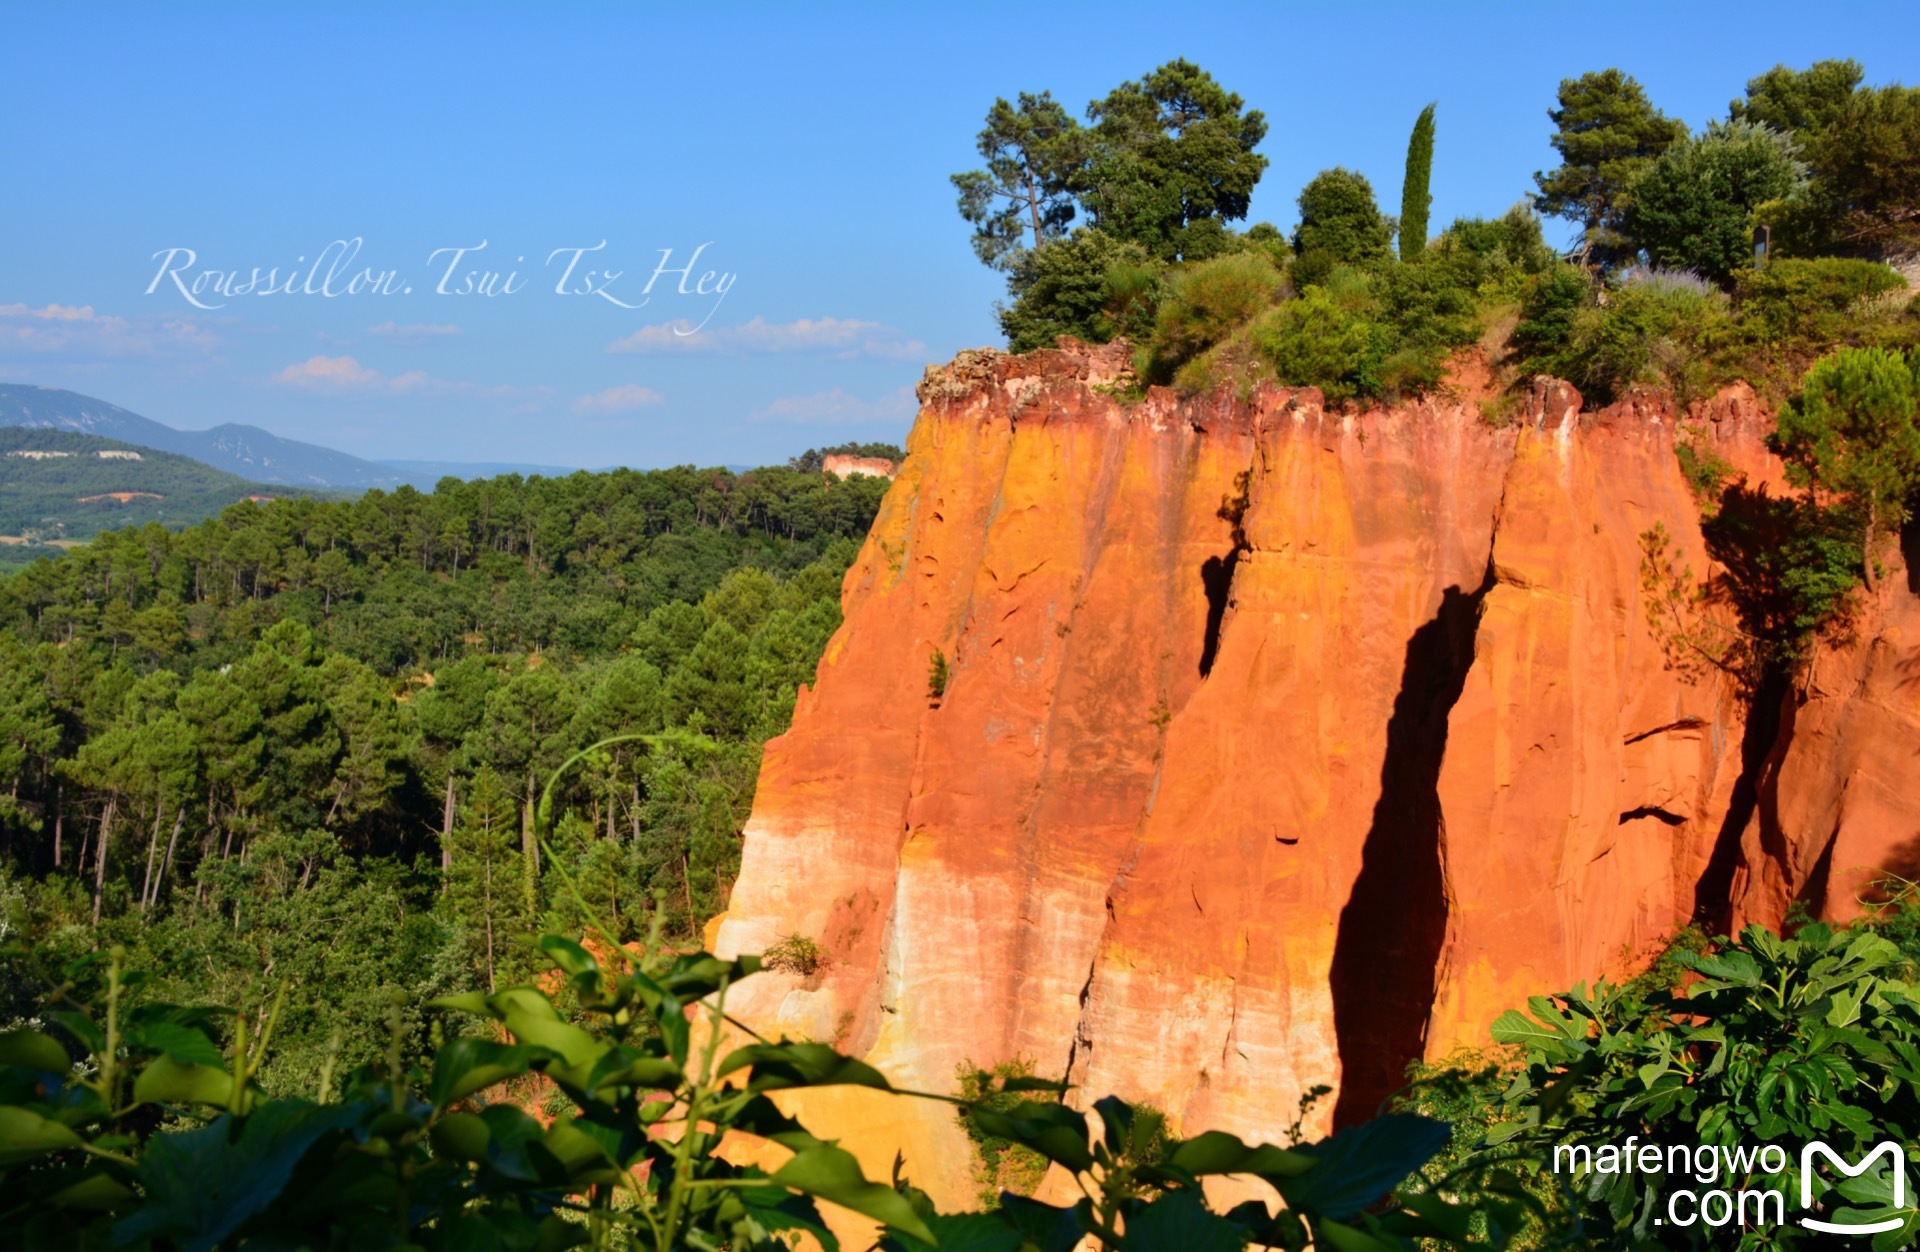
(1033, 206)
(59, 819)
(446, 835)
(1866, 550)
(153, 850)
(173, 841)
(100, 854)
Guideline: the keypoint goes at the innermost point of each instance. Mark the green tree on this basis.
(1850, 437)
(1416, 198)
(1173, 159)
(1808, 103)
(1340, 224)
(1693, 207)
(1869, 173)
(483, 879)
(1034, 153)
(1066, 287)
(1606, 132)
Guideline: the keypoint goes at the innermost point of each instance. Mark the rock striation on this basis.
(1276, 746)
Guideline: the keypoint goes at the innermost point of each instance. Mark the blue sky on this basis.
(807, 147)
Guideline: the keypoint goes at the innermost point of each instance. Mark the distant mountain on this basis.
(254, 454)
(247, 451)
(60, 485)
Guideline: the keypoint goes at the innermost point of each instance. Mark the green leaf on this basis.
(467, 1065)
(833, 1174)
(24, 1134)
(1177, 1219)
(82, 1028)
(1053, 1130)
(1362, 1164)
(30, 1049)
(1344, 1238)
(1513, 1026)
(1217, 1152)
(463, 1136)
(962, 1232)
(775, 1210)
(167, 1081)
(777, 1066)
(182, 1043)
(97, 1192)
(203, 1186)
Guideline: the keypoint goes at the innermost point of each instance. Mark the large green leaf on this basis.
(24, 1134)
(181, 1042)
(167, 1081)
(1361, 1165)
(203, 1186)
(30, 1049)
(833, 1174)
(1053, 1130)
(467, 1065)
(777, 1066)
(777, 1211)
(1217, 1152)
(1178, 1219)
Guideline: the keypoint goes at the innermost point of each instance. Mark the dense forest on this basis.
(301, 742)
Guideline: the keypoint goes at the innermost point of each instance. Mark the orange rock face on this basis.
(1277, 747)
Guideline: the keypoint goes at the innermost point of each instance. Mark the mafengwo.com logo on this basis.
(1836, 1196)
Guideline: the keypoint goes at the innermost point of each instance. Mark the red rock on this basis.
(1278, 746)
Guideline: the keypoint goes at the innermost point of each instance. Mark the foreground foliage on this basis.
(161, 1136)
(1731, 1044)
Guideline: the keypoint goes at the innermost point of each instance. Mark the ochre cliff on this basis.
(1277, 747)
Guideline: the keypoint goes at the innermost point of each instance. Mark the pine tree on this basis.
(1415, 198)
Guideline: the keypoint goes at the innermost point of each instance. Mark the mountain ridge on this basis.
(251, 452)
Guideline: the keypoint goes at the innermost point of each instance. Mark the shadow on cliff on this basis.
(1750, 536)
(1216, 573)
(1387, 948)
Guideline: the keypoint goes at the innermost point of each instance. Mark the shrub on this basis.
(1340, 224)
(1662, 328)
(796, 954)
(1548, 312)
(1003, 1165)
(937, 675)
(1795, 305)
(1060, 288)
(1316, 341)
(1206, 303)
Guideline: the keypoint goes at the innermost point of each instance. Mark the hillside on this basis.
(254, 454)
(61, 485)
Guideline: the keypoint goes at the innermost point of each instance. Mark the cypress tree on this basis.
(1414, 198)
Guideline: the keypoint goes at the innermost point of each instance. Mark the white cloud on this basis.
(330, 372)
(618, 399)
(837, 408)
(76, 330)
(345, 373)
(413, 332)
(844, 337)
